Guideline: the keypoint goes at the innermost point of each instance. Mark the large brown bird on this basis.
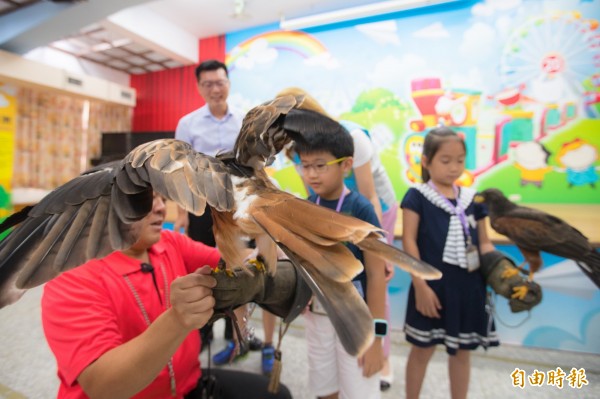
(533, 231)
(92, 215)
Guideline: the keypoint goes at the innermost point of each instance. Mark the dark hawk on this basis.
(533, 231)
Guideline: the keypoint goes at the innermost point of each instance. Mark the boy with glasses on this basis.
(325, 160)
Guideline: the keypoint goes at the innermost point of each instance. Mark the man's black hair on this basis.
(210, 65)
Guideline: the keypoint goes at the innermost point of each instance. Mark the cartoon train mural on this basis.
(456, 108)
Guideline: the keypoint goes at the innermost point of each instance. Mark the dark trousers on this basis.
(234, 384)
(200, 228)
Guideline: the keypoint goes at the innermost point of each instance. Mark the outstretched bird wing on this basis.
(91, 215)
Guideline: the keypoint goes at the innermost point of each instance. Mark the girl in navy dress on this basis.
(445, 228)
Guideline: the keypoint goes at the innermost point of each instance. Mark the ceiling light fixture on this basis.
(349, 14)
(96, 48)
(239, 6)
(121, 42)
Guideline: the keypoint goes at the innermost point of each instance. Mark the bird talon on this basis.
(260, 266)
(520, 292)
(229, 273)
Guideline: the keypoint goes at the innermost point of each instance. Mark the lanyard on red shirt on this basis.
(340, 201)
(457, 209)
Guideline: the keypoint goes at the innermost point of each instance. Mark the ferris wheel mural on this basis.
(552, 55)
(546, 69)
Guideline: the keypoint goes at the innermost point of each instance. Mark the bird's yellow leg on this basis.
(268, 250)
(258, 264)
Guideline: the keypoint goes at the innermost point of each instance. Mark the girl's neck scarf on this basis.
(455, 248)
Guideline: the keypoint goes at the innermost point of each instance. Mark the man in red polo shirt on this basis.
(126, 325)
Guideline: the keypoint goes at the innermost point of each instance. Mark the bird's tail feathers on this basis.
(346, 309)
(374, 245)
(591, 266)
(326, 227)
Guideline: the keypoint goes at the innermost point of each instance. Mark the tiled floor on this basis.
(27, 367)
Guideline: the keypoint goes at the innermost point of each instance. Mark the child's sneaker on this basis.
(227, 355)
(268, 359)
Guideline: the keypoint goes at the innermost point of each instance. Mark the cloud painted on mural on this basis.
(503, 26)
(258, 52)
(555, 337)
(395, 72)
(437, 30)
(478, 42)
(385, 32)
(470, 79)
(325, 60)
(241, 102)
(490, 7)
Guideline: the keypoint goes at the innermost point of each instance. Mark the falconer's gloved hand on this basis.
(503, 276)
(285, 294)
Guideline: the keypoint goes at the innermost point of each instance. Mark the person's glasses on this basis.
(319, 168)
(209, 84)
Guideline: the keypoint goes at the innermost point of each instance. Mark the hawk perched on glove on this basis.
(533, 231)
(92, 215)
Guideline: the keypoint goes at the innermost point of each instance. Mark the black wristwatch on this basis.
(381, 327)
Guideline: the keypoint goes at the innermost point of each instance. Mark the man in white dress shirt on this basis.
(211, 129)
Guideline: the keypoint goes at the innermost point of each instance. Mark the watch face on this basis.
(380, 328)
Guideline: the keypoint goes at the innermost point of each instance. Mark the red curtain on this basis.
(165, 96)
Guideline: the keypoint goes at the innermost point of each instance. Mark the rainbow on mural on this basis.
(300, 43)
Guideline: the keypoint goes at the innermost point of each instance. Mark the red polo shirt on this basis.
(91, 309)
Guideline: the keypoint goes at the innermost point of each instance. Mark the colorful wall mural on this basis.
(8, 117)
(518, 79)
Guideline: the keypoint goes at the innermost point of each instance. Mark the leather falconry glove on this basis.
(505, 278)
(284, 294)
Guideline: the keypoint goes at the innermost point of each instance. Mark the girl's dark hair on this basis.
(433, 141)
